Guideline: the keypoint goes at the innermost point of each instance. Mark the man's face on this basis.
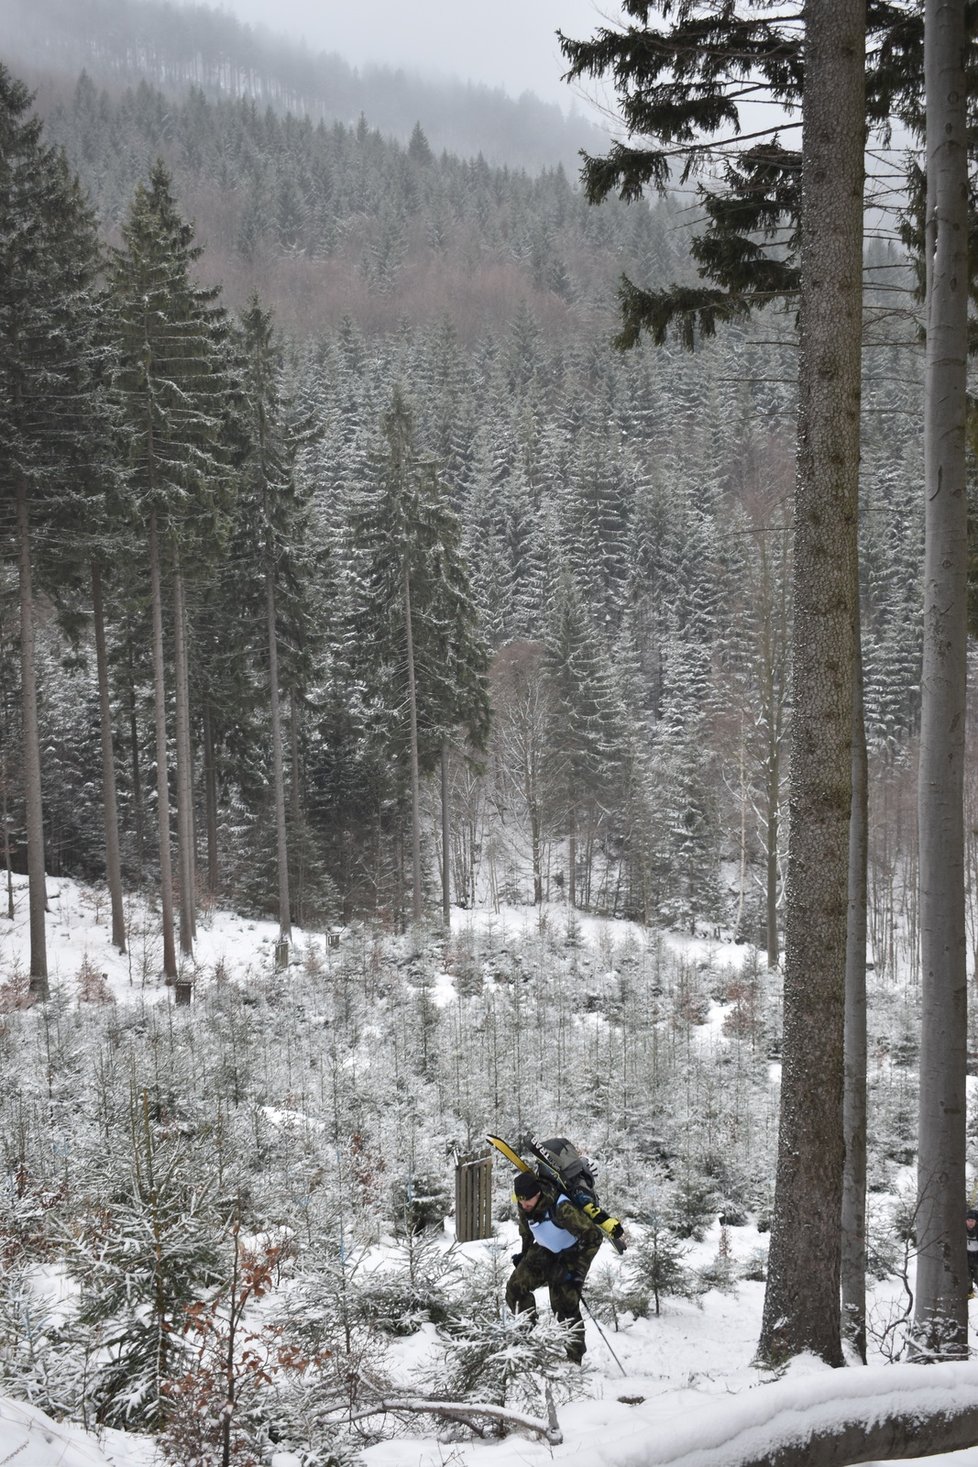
(529, 1203)
(969, 1223)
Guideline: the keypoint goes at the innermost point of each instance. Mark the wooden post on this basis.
(473, 1196)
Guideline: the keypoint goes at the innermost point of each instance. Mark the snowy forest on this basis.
(366, 578)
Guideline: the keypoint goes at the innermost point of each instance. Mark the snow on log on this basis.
(833, 1417)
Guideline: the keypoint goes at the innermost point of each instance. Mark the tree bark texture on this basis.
(801, 1305)
(854, 1100)
(940, 1320)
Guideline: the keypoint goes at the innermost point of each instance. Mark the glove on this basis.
(576, 1280)
(517, 1259)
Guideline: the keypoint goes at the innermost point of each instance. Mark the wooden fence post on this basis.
(473, 1196)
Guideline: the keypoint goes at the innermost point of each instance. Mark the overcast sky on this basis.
(505, 43)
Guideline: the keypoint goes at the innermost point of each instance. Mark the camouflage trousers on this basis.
(537, 1267)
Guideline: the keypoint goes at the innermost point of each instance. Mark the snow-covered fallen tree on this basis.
(832, 1418)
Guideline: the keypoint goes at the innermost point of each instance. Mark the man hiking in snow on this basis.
(559, 1244)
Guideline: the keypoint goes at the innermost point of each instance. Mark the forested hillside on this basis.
(123, 42)
(352, 579)
(433, 327)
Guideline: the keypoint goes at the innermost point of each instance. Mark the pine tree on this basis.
(48, 399)
(172, 386)
(416, 616)
(585, 737)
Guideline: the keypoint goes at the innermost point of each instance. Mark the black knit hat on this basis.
(527, 1184)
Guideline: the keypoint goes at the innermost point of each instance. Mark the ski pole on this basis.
(603, 1335)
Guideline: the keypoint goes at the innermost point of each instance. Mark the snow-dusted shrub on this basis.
(695, 1203)
(719, 1273)
(27, 1356)
(412, 1288)
(486, 1354)
(15, 990)
(420, 1201)
(141, 1257)
(92, 985)
(656, 1268)
(754, 1266)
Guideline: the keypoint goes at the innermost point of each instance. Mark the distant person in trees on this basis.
(559, 1244)
(971, 1227)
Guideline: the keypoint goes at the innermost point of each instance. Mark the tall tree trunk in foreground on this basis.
(801, 1302)
(941, 1317)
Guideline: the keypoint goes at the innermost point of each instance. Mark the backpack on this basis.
(561, 1162)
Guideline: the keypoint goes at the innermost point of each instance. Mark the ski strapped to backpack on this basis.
(562, 1163)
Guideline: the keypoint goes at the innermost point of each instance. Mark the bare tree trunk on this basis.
(36, 885)
(110, 807)
(278, 763)
(801, 1301)
(854, 1100)
(162, 782)
(185, 781)
(446, 873)
(941, 1317)
(6, 832)
(416, 903)
(210, 804)
(295, 802)
(135, 774)
(572, 856)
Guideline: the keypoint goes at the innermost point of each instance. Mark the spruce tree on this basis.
(172, 386)
(49, 415)
(416, 617)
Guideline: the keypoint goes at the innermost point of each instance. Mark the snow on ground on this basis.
(682, 1383)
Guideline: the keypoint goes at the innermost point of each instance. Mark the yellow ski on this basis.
(509, 1153)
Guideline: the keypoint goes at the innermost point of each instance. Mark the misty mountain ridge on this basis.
(120, 42)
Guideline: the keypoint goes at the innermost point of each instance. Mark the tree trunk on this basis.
(295, 803)
(185, 782)
(36, 884)
(162, 782)
(278, 763)
(137, 779)
(110, 807)
(446, 871)
(416, 903)
(854, 1100)
(873, 1415)
(6, 831)
(801, 1302)
(210, 804)
(940, 1320)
